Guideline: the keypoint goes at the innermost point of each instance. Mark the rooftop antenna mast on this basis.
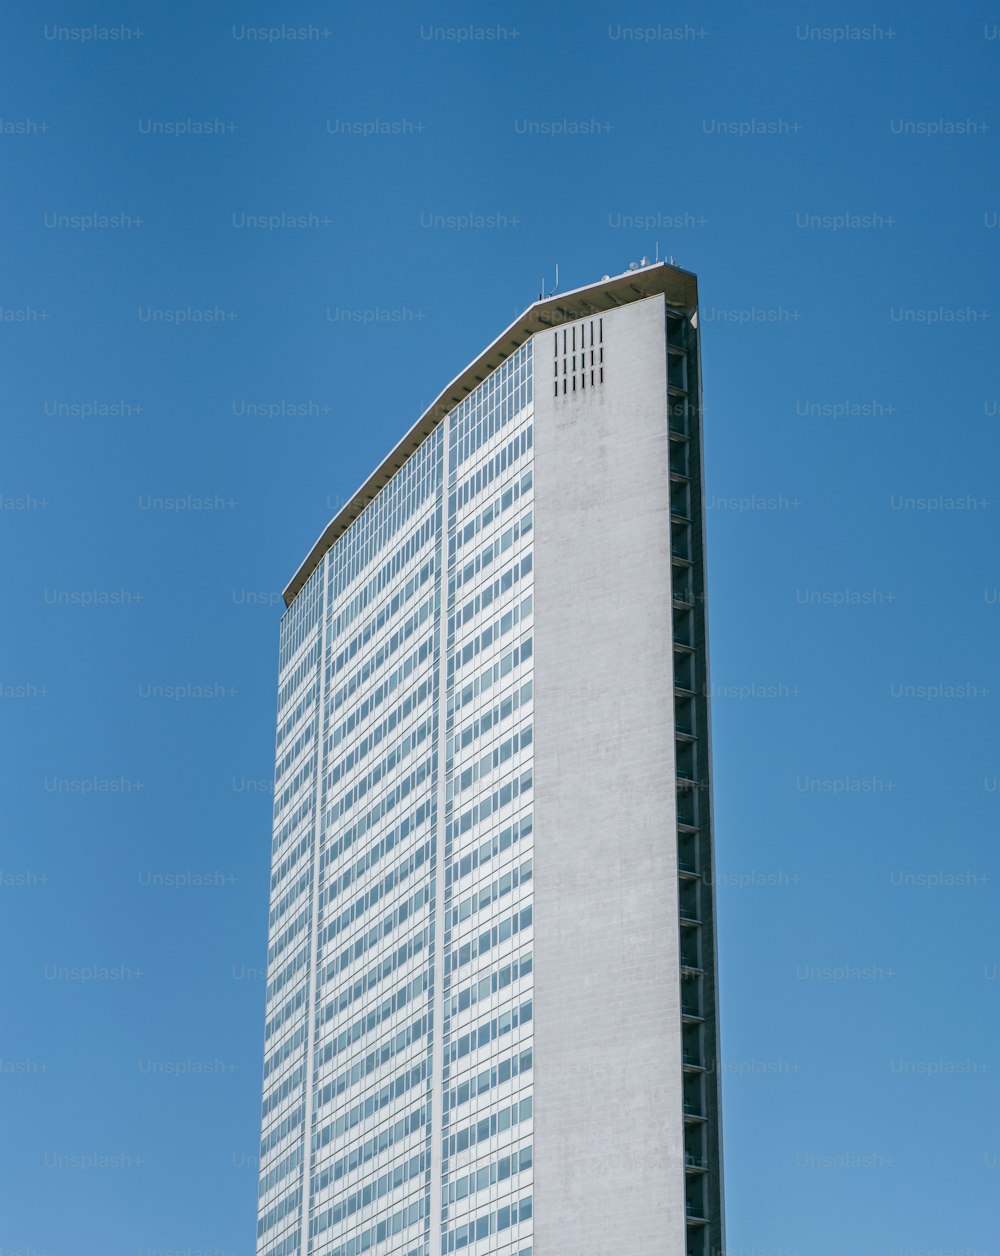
(541, 295)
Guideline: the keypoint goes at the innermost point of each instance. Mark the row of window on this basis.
(485, 987)
(368, 693)
(306, 775)
(489, 1223)
(400, 752)
(289, 1244)
(460, 1050)
(414, 483)
(357, 948)
(357, 679)
(361, 697)
(360, 750)
(287, 1125)
(287, 974)
(289, 933)
(393, 837)
(482, 897)
(279, 1211)
(487, 719)
(301, 618)
(410, 949)
(305, 738)
(284, 1013)
(489, 407)
(376, 1059)
(487, 1032)
(361, 1111)
(416, 582)
(496, 935)
(484, 598)
(288, 898)
(370, 1193)
(303, 703)
(491, 803)
(492, 675)
(274, 1098)
(501, 841)
(490, 514)
(400, 1220)
(374, 1148)
(490, 553)
(488, 637)
(281, 1170)
(397, 796)
(303, 816)
(387, 612)
(367, 1021)
(380, 930)
(306, 668)
(480, 1132)
(362, 905)
(493, 468)
(515, 1065)
(488, 986)
(367, 863)
(485, 765)
(287, 1048)
(391, 646)
(501, 1170)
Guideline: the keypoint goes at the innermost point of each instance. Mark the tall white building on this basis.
(491, 1001)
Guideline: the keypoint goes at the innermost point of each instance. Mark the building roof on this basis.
(680, 287)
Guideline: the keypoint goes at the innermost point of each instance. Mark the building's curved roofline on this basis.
(680, 287)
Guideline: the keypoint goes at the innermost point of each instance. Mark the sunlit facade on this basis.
(407, 1104)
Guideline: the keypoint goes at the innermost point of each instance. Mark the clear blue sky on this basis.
(852, 434)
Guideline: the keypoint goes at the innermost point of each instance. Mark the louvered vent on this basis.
(578, 356)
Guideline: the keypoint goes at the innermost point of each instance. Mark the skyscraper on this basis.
(491, 1000)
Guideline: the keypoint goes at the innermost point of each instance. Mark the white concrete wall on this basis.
(608, 1158)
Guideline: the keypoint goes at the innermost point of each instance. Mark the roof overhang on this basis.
(679, 287)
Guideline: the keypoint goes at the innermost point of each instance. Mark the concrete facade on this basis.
(609, 1125)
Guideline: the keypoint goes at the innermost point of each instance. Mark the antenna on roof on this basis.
(657, 250)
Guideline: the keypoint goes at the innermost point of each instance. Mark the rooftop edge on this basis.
(680, 287)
